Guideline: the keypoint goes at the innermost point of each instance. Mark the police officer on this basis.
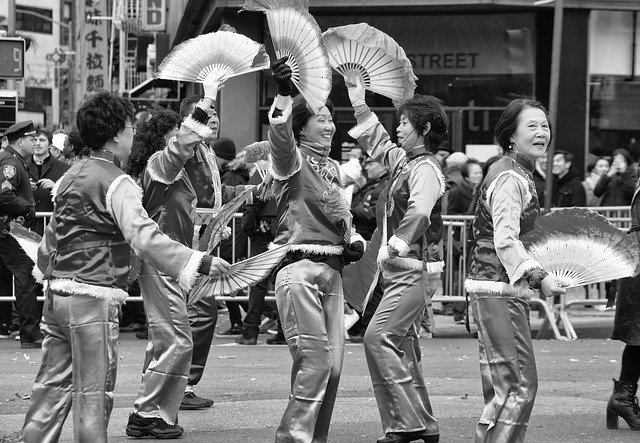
(16, 203)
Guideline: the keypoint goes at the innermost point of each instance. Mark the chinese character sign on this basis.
(93, 48)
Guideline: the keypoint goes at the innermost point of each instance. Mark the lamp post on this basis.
(556, 50)
(70, 53)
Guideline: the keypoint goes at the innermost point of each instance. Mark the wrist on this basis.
(205, 265)
(534, 277)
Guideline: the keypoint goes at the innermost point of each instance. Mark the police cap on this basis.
(19, 130)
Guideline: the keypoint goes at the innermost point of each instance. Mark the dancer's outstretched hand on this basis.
(281, 73)
(218, 267)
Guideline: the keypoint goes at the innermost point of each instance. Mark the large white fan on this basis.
(241, 275)
(365, 51)
(581, 247)
(213, 57)
(296, 34)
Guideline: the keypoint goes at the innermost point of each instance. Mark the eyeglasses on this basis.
(134, 128)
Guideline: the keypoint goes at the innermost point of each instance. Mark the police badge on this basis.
(9, 171)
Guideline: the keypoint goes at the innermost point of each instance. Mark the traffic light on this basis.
(12, 57)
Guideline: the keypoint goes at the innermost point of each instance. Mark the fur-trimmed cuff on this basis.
(359, 130)
(285, 104)
(72, 287)
(312, 248)
(497, 288)
(202, 130)
(413, 264)
(399, 245)
(189, 273)
(37, 274)
(522, 269)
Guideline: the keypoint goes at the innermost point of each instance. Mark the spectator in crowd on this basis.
(44, 171)
(453, 166)
(57, 144)
(626, 328)
(98, 218)
(17, 203)
(616, 187)
(363, 206)
(442, 154)
(353, 178)
(540, 177)
(595, 170)
(225, 151)
(259, 222)
(74, 148)
(567, 183)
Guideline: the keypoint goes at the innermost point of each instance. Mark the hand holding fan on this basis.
(29, 241)
(213, 58)
(372, 55)
(296, 34)
(580, 247)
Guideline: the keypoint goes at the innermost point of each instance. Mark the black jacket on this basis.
(363, 206)
(16, 196)
(52, 169)
(568, 191)
(616, 190)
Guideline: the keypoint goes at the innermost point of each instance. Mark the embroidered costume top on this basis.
(308, 190)
(98, 214)
(507, 208)
(414, 202)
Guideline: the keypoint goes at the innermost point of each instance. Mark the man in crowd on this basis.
(363, 206)
(16, 203)
(44, 170)
(567, 183)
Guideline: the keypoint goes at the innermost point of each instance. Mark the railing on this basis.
(457, 228)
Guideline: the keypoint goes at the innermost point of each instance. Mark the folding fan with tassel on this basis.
(367, 52)
(213, 57)
(581, 247)
(29, 241)
(295, 33)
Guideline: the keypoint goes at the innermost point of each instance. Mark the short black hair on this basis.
(592, 164)
(423, 109)
(464, 171)
(301, 113)
(508, 121)
(568, 157)
(46, 132)
(101, 117)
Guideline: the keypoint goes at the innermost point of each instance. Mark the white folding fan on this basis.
(580, 247)
(213, 57)
(241, 275)
(365, 51)
(29, 241)
(295, 33)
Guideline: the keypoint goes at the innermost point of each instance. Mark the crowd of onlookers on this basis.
(609, 181)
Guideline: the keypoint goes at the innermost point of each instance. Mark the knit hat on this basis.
(225, 148)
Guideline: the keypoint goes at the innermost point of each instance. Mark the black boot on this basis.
(407, 437)
(623, 403)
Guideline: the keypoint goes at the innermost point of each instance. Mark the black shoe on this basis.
(191, 401)
(233, 330)
(246, 341)
(152, 427)
(407, 437)
(36, 344)
(5, 332)
(143, 335)
(356, 338)
(276, 340)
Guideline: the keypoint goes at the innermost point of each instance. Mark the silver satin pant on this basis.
(79, 363)
(392, 349)
(168, 356)
(311, 306)
(507, 367)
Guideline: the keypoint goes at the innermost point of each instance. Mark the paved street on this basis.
(250, 387)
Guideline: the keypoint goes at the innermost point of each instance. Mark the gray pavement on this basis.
(250, 387)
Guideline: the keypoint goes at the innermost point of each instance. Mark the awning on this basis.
(152, 83)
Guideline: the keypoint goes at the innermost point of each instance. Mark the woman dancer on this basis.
(503, 277)
(626, 327)
(308, 284)
(410, 263)
(158, 157)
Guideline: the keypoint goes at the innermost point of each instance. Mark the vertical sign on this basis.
(93, 47)
(153, 15)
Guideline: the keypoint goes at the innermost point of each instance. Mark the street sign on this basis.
(12, 57)
(8, 109)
